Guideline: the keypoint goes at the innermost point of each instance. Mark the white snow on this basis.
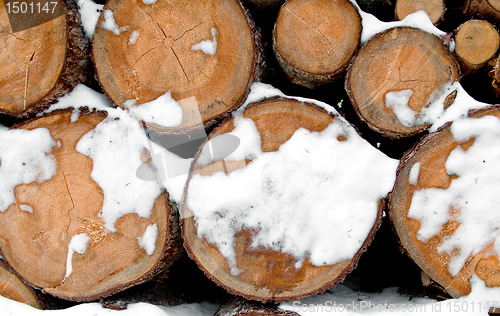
(26, 208)
(435, 113)
(341, 300)
(261, 91)
(109, 23)
(149, 1)
(148, 240)
(78, 244)
(25, 157)
(208, 47)
(414, 173)
(473, 194)
(116, 147)
(133, 37)
(89, 12)
(293, 197)
(164, 111)
(398, 102)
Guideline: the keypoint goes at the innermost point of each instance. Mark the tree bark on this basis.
(398, 59)
(486, 9)
(13, 288)
(432, 153)
(150, 53)
(477, 41)
(267, 275)
(315, 40)
(434, 8)
(42, 63)
(241, 307)
(36, 244)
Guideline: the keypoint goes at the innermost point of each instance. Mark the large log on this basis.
(281, 254)
(434, 229)
(315, 40)
(41, 63)
(202, 49)
(399, 71)
(69, 233)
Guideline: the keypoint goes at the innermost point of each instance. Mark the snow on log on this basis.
(289, 212)
(395, 78)
(75, 220)
(443, 205)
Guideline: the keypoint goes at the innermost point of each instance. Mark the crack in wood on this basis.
(26, 82)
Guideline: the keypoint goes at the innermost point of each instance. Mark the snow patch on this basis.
(89, 12)
(149, 1)
(26, 208)
(435, 113)
(78, 244)
(414, 173)
(116, 147)
(148, 240)
(472, 195)
(398, 102)
(274, 196)
(25, 157)
(208, 47)
(164, 111)
(109, 23)
(133, 37)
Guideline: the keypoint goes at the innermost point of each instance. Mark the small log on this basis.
(265, 274)
(422, 168)
(315, 40)
(486, 9)
(477, 41)
(13, 288)
(399, 59)
(434, 8)
(240, 307)
(42, 63)
(37, 231)
(202, 49)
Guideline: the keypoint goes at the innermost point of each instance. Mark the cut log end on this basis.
(485, 9)
(43, 62)
(395, 76)
(434, 8)
(15, 289)
(265, 274)
(315, 40)
(66, 207)
(424, 168)
(205, 51)
(477, 41)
